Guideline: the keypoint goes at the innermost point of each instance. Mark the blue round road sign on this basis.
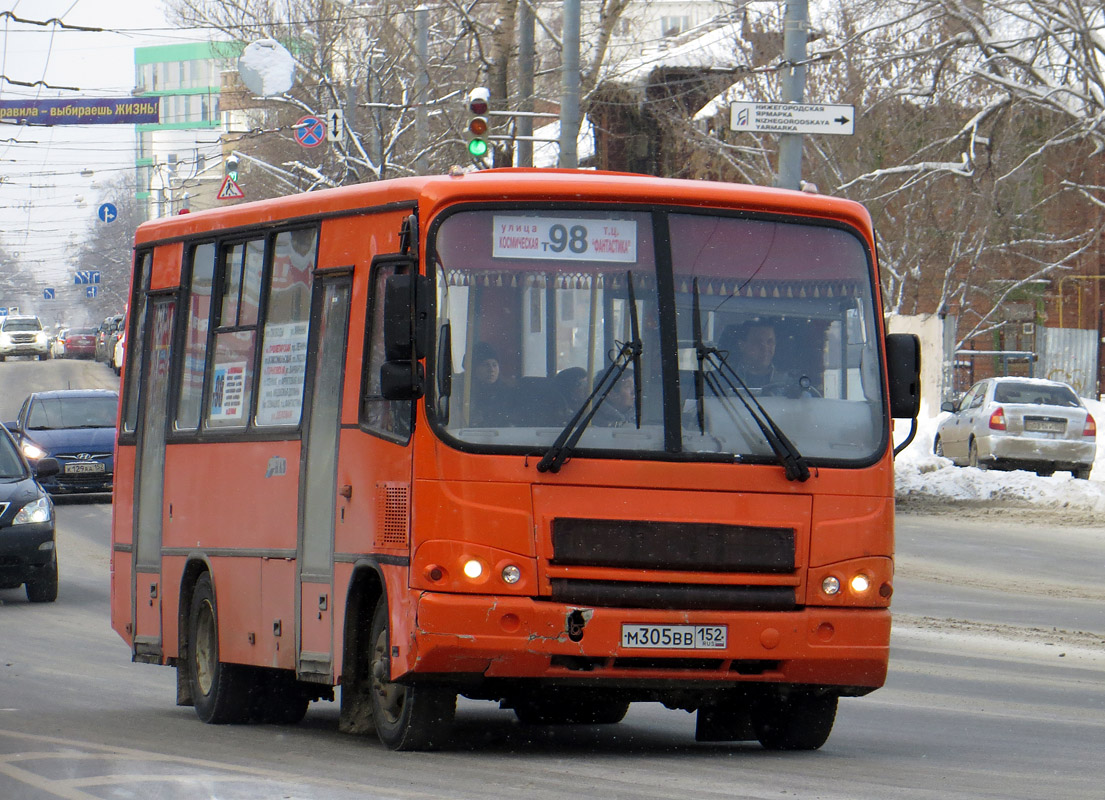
(310, 131)
(108, 212)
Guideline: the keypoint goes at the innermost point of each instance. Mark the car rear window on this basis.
(82, 332)
(1036, 394)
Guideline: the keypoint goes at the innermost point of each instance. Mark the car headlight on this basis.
(40, 510)
(5, 339)
(33, 451)
(40, 337)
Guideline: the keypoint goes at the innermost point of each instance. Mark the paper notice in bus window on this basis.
(228, 390)
(565, 239)
(283, 367)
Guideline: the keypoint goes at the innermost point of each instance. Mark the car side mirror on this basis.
(947, 405)
(45, 467)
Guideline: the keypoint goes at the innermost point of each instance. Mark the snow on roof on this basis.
(713, 49)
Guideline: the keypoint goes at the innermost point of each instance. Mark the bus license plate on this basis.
(84, 467)
(675, 637)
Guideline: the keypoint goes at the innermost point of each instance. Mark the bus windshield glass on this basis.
(532, 307)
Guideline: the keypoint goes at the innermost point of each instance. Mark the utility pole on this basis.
(795, 37)
(421, 119)
(569, 95)
(525, 82)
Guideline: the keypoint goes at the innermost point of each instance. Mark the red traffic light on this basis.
(479, 100)
(478, 126)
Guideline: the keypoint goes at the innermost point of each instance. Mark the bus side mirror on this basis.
(406, 317)
(402, 380)
(903, 374)
(406, 335)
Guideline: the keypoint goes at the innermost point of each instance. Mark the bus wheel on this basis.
(797, 722)
(570, 708)
(407, 716)
(220, 691)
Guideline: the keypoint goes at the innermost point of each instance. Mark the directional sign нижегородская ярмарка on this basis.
(792, 118)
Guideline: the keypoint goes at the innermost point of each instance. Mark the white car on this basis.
(119, 354)
(57, 346)
(1019, 423)
(23, 336)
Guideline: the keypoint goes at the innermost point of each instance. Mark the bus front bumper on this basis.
(514, 637)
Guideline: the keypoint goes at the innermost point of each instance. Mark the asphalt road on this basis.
(995, 691)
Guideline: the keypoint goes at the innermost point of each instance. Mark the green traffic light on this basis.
(477, 148)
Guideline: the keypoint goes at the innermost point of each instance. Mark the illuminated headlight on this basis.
(33, 451)
(473, 568)
(40, 510)
(5, 339)
(40, 337)
(511, 574)
(860, 583)
(830, 585)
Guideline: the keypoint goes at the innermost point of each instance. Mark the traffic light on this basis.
(232, 162)
(479, 99)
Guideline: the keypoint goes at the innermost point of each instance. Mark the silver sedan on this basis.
(1019, 423)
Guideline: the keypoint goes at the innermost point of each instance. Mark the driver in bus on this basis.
(751, 352)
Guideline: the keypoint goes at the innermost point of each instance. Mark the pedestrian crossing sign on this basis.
(230, 190)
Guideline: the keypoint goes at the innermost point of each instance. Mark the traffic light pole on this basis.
(569, 101)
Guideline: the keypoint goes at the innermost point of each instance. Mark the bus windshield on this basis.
(532, 307)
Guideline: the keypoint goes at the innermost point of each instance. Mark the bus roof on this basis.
(435, 191)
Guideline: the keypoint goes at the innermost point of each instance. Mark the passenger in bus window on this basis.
(491, 400)
(617, 409)
(570, 392)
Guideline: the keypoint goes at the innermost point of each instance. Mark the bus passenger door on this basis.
(318, 480)
(149, 477)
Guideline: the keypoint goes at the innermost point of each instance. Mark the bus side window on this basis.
(390, 419)
(198, 304)
(230, 392)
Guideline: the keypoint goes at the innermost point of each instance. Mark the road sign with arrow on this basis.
(792, 118)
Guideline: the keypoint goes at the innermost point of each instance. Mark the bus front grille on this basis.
(691, 546)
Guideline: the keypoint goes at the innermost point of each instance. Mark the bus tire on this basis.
(800, 721)
(406, 716)
(220, 691)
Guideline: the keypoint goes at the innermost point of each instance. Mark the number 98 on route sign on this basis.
(565, 238)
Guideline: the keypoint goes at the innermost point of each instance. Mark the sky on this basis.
(46, 205)
(918, 474)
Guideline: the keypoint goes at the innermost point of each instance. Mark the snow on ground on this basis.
(919, 475)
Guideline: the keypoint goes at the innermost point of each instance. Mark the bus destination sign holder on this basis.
(792, 118)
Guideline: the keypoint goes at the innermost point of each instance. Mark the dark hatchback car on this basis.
(77, 428)
(28, 547)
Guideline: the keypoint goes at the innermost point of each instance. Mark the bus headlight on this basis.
(473, 569)
(831, 585)
(860, 583)
(511, 574)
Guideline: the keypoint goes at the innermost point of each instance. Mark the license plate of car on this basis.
(1044, 426)
(84, 467)
(675, 637)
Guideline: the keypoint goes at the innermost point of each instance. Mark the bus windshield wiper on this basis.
(792, 461)
(628, 353)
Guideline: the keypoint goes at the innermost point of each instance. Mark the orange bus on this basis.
(511, 435)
